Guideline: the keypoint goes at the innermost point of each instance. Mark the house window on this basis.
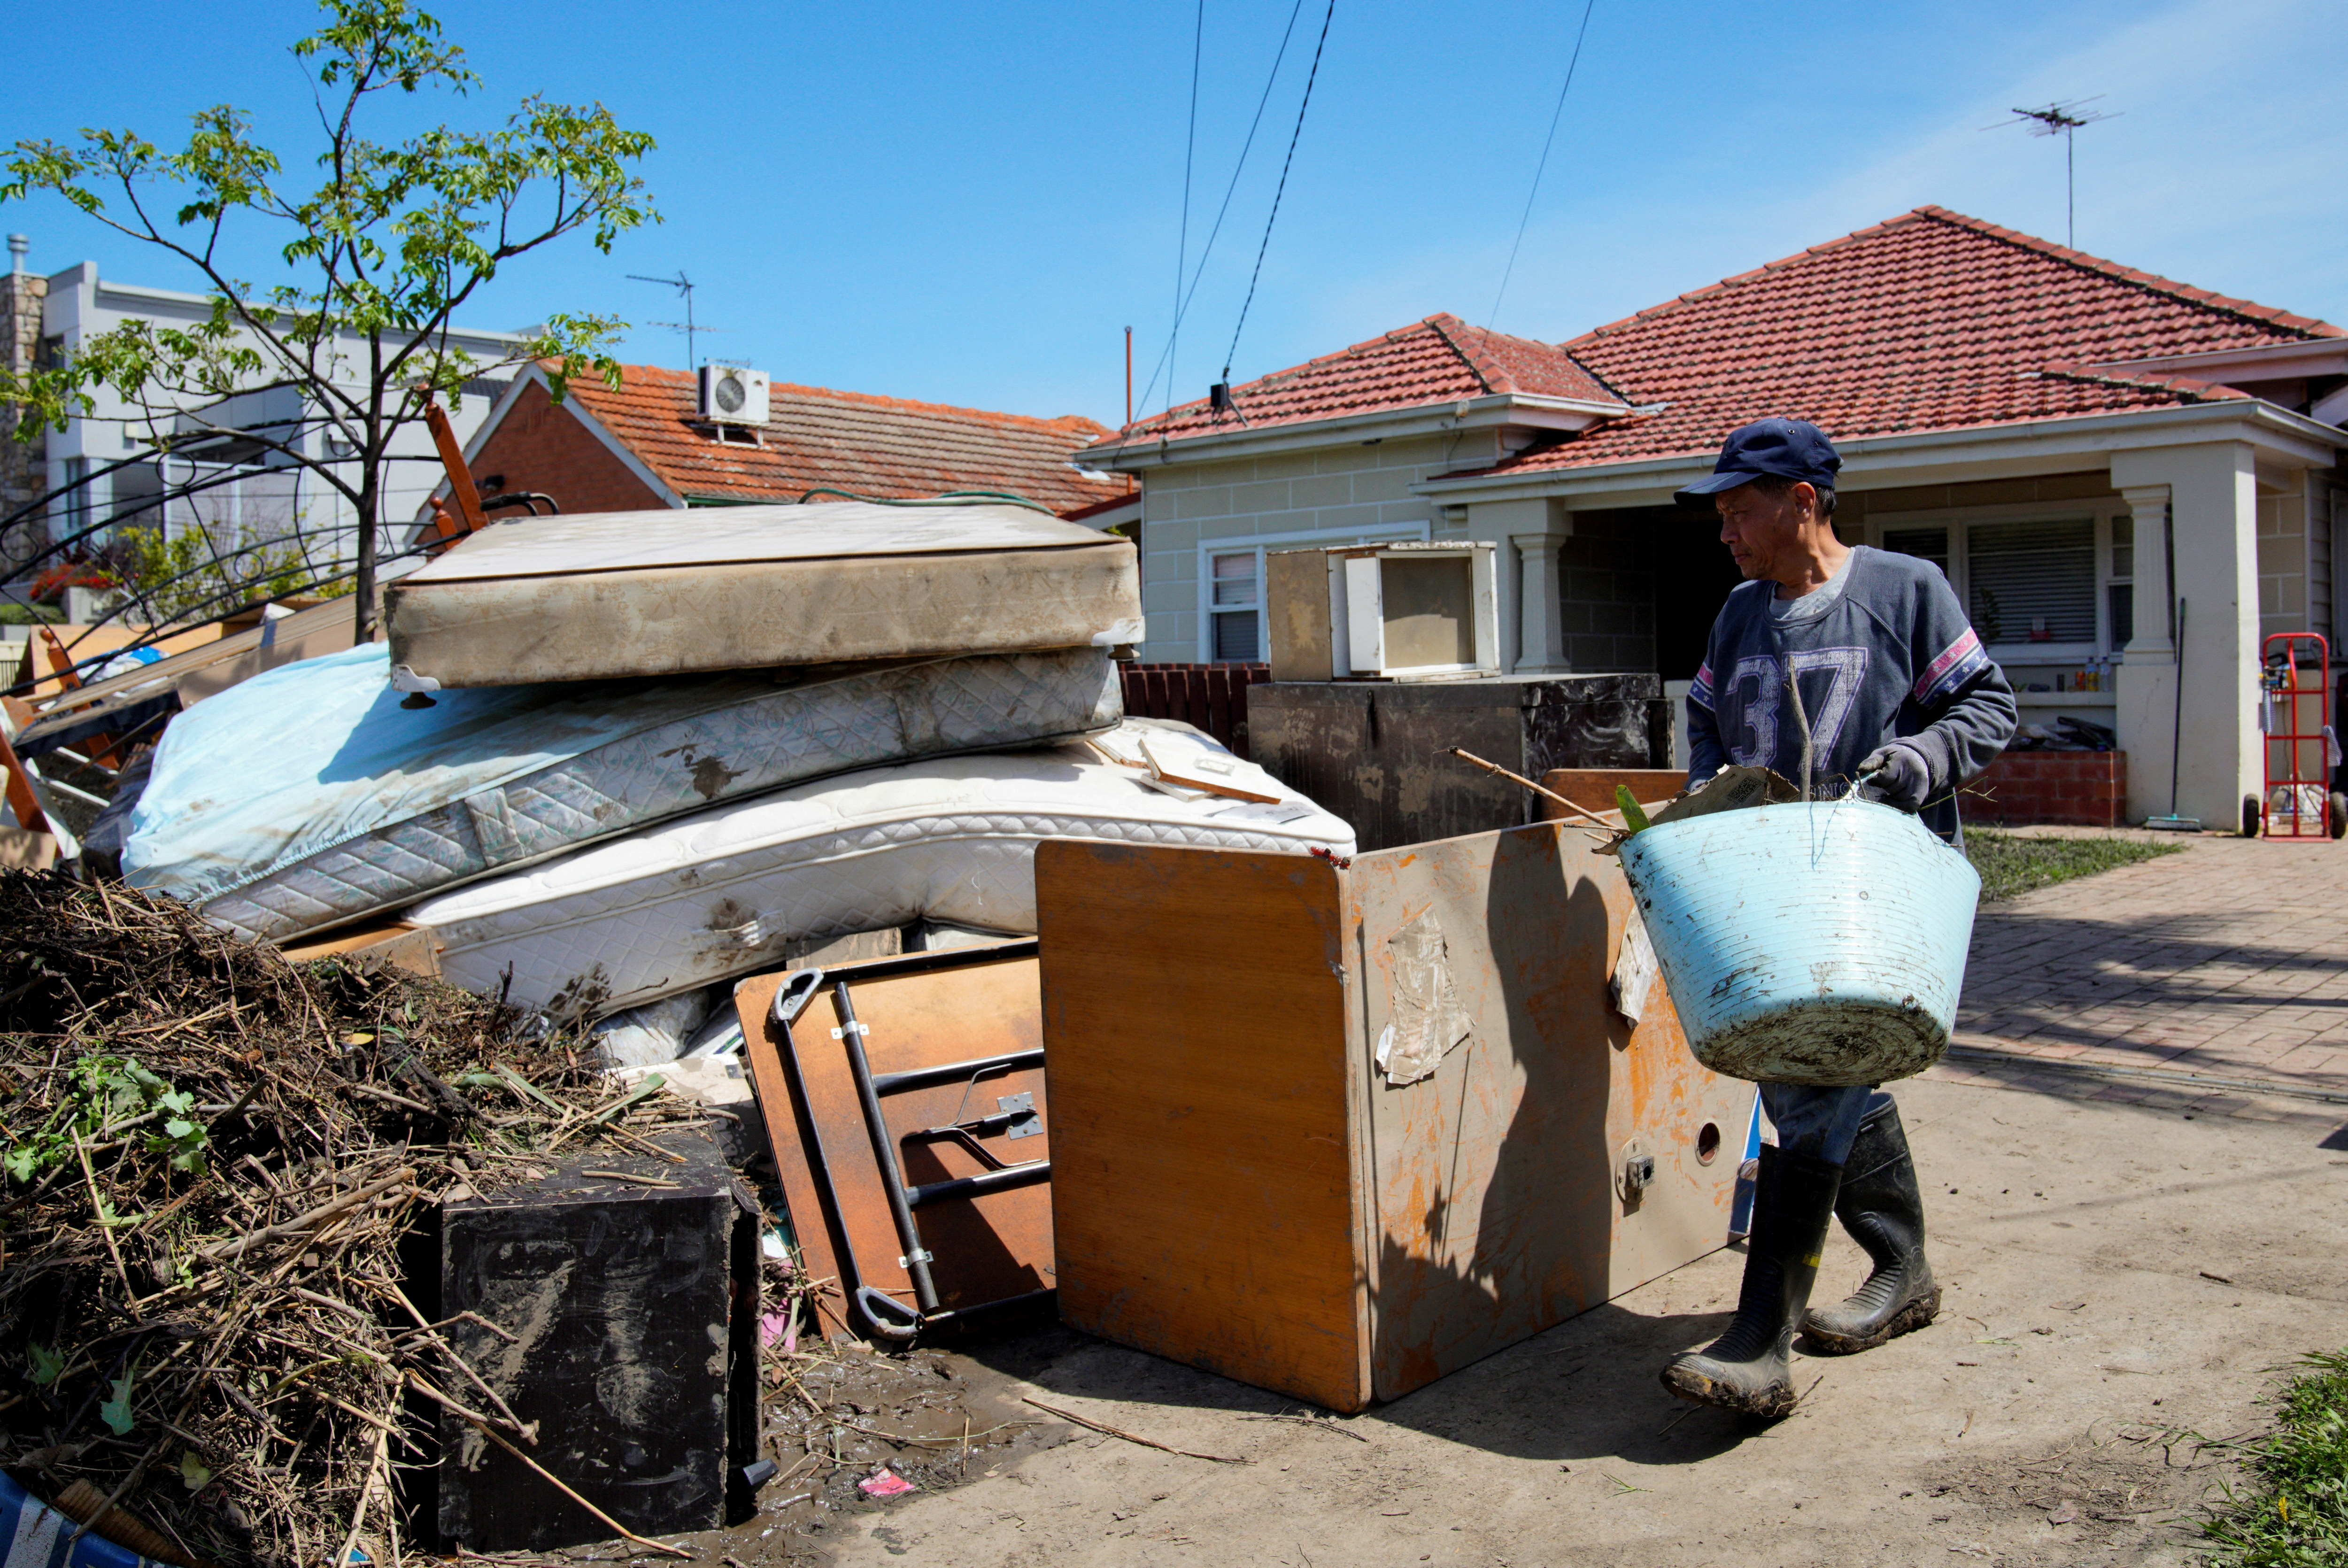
(1234, 606)
(1931, 543)
(2058, 588)
(73, 511)
(2032, 581)
(1231, 627)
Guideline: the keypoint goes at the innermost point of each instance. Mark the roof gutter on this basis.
(1890, 459)
(1490, 411)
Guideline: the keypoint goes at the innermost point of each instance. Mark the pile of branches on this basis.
(210, 1158)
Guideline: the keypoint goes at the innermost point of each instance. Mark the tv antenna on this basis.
(2059, 119)
(684, 287)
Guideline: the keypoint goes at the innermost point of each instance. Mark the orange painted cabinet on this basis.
(1339, 1132)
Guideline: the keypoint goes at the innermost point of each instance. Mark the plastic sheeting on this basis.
(310, 794)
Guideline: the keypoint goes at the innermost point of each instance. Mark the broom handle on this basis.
(2177, 722)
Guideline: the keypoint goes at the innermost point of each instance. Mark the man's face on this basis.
(1761, 531)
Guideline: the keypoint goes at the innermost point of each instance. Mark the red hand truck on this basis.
(2295, 721)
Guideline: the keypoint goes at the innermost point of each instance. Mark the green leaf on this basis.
(194, 1474)
(48, 1365)
(1633, 817)
(20, 1161)
(116, 1412)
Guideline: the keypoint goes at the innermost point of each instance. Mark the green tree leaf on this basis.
(48, 1365)
(116, 1411)
(396, 234)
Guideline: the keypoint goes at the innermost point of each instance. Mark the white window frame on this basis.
(1240, 544)
(1957, 522)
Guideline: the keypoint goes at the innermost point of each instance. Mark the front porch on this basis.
(2067, 572)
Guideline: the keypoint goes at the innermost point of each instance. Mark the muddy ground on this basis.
(2121, 1282)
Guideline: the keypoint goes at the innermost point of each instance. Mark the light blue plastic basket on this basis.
(1820, 944)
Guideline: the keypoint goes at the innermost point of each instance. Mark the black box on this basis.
(634, 1309)
(1374, 752)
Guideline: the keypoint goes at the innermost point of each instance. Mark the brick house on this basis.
(644, 446)
(2065, 435)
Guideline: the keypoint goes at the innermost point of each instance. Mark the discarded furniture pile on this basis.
(688, 935)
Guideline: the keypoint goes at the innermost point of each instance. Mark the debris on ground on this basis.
(209, 1156)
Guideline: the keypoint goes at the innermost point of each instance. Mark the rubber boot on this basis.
(1747, 1369)
(1881, 1209)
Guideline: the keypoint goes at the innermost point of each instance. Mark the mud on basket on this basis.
(1818, 942)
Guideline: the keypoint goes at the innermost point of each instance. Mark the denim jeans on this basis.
(1821, 1123)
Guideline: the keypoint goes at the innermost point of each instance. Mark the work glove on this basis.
(1895, 776)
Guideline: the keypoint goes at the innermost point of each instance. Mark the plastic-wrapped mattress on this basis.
(721, 893)
(309, 796)
(659, 593)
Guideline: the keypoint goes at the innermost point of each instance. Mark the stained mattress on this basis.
(309, 796)
(721, 893)
(658, 593)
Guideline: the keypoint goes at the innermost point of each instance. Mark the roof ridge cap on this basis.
(1486, 369)
(1149, 426)
(1737, 280)
(2190, 386)
(2307, 328)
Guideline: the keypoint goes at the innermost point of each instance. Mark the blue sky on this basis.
(968, 203)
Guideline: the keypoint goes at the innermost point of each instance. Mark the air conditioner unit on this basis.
(733, 396)
(1390, 611)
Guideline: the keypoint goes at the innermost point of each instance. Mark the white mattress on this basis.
(543, 771)
(719, 894)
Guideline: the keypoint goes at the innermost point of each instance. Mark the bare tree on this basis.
(394, 238)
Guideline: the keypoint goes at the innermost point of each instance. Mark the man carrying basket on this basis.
(1861, 665)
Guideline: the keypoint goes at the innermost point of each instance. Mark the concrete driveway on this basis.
(2134, 1176)
(2117, 1278)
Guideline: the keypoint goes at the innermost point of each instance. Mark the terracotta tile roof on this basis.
(1933, 321)
(847, 440)
(1438, 360)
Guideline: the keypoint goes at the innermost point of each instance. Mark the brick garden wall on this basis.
(2073, 789)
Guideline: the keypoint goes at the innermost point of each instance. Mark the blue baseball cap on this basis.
(1790, 449)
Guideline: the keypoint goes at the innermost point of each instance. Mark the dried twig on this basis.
(277, 1211)
(1318, 1423)
(1129, 1437)
(614, 1525)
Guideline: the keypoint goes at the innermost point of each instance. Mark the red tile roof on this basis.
(1933, 321)
(1441, 359)
(845, 440)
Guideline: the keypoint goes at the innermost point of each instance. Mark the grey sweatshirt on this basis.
(1883, 652)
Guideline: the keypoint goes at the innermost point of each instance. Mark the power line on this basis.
(1190, 151)
(1238, 168)
(1493, 320)
(1281, 190)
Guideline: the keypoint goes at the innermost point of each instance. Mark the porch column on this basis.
(1541, 636)
(1526, 534)
(2154, 605)
(2210, 495)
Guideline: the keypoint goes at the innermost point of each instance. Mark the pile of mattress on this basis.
(719, 892)
(309, 796)
(654, 593)
(611, 762)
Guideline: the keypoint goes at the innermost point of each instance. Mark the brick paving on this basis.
(2226, 961)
